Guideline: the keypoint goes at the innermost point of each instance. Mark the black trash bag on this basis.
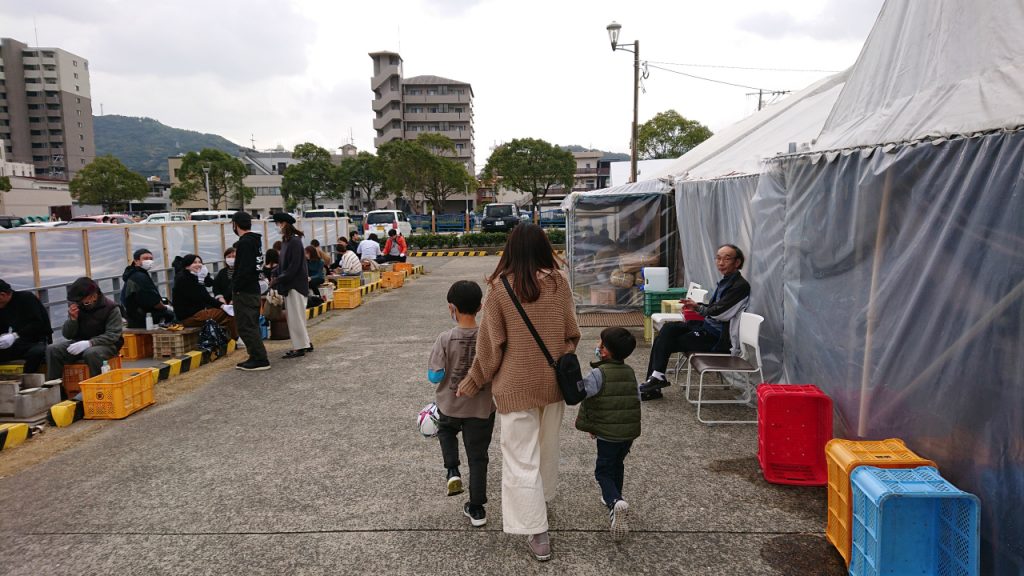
(213, 339)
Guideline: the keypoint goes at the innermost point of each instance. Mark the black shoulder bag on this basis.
(567, 368)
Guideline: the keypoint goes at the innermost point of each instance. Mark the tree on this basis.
(108, 182)
(532, 166)
(669, 135)
(225, 173)
(314, 177)
(363, 173)
(445, 179)
(406, 166)
(5, 184)
(436, 143)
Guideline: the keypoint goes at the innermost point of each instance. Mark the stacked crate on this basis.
(348, 282)
(652, 305)
(794, 424)
(74, 374)
(137, 346)
(393, 279)
(347, 298)
(173, 344)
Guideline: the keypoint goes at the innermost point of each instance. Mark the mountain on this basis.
(144, 144)
(612, 156)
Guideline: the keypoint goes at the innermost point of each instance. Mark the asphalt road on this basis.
(316, 467)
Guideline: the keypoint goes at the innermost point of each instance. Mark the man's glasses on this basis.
(724, 258)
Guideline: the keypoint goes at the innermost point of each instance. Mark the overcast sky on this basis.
(290, 71)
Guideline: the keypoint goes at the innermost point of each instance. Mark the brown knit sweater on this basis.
(507, 356)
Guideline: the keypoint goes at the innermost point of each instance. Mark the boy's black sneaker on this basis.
(654, 383)
(253, 365)
(476, 514)
(454, 482)
(652, 395)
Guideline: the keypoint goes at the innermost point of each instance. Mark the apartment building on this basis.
(404, 108)
(45, 109)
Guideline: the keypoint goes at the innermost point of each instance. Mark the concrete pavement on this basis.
(316, 467)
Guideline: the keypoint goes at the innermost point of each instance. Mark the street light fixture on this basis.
(206, 173)
(613, 35)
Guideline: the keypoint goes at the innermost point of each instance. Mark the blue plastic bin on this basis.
(912, 521)
(264, 328)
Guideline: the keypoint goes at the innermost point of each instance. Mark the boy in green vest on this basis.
(611, 413)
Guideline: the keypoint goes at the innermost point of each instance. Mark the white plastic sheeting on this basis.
(742, 147)
(933, 68)
(895, 282)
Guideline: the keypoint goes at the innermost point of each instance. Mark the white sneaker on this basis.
(619, 516)
(239, 344)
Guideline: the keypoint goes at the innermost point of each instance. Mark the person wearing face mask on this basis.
(139, 295)
(93, 331)
(347, 262)
(292, 282)
(246, 286)
(222, 283)
(193, 304)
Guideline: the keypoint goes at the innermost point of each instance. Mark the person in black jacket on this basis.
(222, 282)
(94, 331)
(139, 295)
(193, 305)
(292, 282)
(24, 328)
(708, 335)
(246, 289)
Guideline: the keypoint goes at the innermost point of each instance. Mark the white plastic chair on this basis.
(750, 330)
(697, 295)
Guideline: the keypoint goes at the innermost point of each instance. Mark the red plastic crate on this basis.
(794, 422)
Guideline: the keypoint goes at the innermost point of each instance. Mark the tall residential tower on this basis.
(45, 109)
(404, 108)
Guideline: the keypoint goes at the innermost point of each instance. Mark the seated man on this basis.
(369, 251)
(93, 331)
(395, 248)
(24, 328)
(710, 335)
(139, 295)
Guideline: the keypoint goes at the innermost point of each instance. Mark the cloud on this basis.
(837, 21)
(451, 7)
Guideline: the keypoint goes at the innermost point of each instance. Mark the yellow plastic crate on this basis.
(348, 298)
(117, 394)
(843, 457)
(648, 329)
(393, 279)
(404, 267)
(137, 346)
(370, 277)
(347, 282)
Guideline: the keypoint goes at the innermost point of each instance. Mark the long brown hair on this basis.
(290, 231)
(527, 252)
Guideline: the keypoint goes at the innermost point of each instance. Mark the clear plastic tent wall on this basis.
(711, 213)
(894, 279)
(611, 236)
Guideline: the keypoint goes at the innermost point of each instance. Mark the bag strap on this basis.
(526, 319)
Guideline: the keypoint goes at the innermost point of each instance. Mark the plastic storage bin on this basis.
(74, 374)
(912, 521)
(174, 344)
(137, 346)
(264, 328)
(404, 267)
(794, 422)
(843, 456)
(117, 393)
(393, 279)
(652, 298)
(348, 282)
(348, 298)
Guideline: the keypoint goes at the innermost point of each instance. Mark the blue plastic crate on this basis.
(912, 521)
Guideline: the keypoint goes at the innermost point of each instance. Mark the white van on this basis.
(212, 215)
(380, 221)
(161, 217)
(325, 213)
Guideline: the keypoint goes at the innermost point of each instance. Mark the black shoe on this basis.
(294, 354)
(310, 349)
(253, 365)
(654, 383)
(651, 395)
(454, 482)
(476, 514)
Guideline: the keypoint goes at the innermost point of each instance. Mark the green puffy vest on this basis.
(614, 413)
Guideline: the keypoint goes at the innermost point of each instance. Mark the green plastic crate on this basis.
(652, 299)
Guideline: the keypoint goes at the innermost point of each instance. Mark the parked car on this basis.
(101, 219)
(161, 217)
(55, 224)
(11, 221)
(325, 213)
(212, 215)
(500, 217)
(380, 221)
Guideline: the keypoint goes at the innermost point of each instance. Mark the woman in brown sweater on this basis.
(528, 401)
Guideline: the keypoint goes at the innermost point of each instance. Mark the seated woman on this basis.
(222, 283)
(192, 303)
(314, 267)
(348, 263)
(270, 261)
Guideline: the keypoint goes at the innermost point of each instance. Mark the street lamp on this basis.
(206, 172)
(227, 180)
(613, 36)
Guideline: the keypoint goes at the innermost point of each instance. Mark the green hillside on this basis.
(143, 144)
(612, 156)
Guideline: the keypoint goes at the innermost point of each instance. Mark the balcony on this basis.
(385, 74)
(386, 119)
(387, 136)
(438, 116)
(385, 100)
(437, 98)
(453, 134)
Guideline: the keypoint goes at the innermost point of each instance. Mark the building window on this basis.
(77, 89)
(79, 112)
(79, 99)
(76, 75)
(79, 124)
(75, 64)
(82, 148)
(81, 136)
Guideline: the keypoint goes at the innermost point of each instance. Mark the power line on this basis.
(710, 79)
(745, 67)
